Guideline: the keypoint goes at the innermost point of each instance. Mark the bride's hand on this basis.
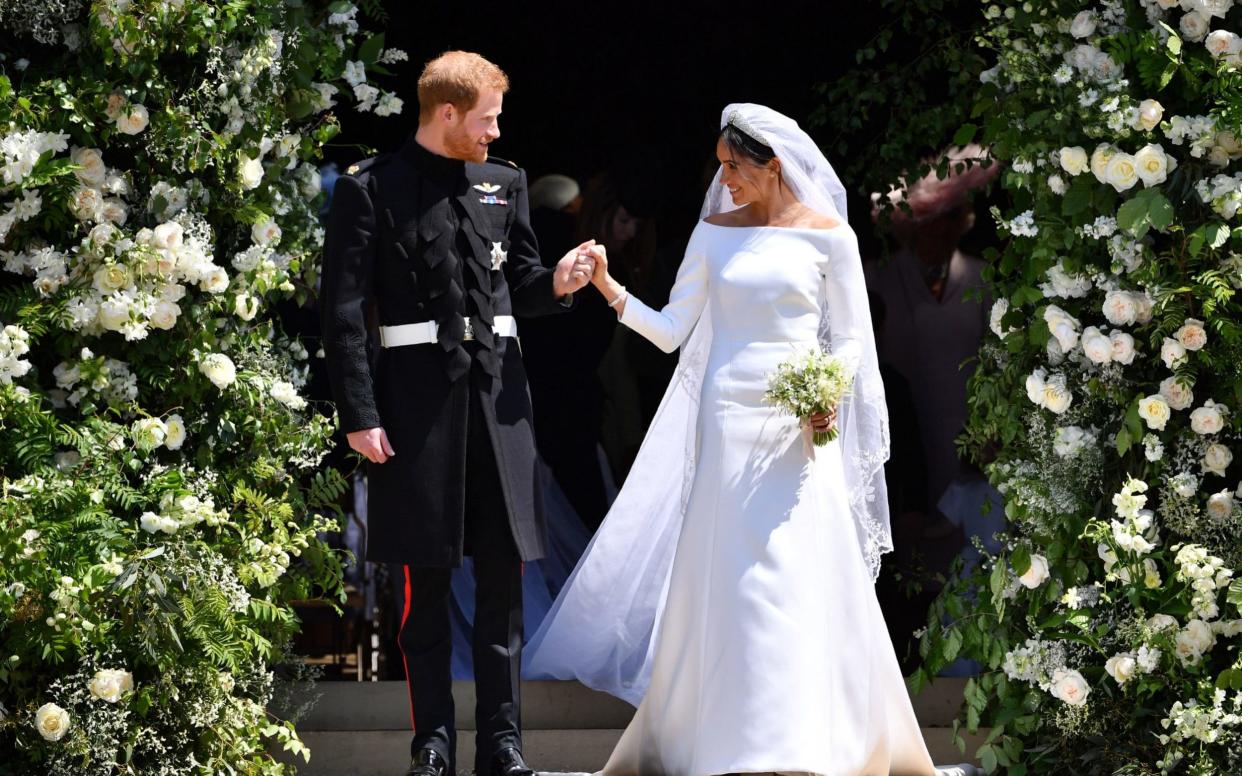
(600, 254)
(823, 421)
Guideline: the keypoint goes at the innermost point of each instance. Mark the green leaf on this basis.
(965, 134)
(1159, 210)
(1132, 214)
(1078, 198)
(369, 52)
(1021, 560)
(1234, 595)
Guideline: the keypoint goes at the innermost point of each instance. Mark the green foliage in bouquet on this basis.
(163, 497)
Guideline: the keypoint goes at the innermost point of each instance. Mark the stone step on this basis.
(386, 752)
(377, 706)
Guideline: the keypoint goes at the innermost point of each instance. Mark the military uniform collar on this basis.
(431, 163)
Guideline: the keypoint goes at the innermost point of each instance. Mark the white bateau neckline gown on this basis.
(771, 654)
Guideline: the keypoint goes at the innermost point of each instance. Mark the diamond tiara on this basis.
(739, 121)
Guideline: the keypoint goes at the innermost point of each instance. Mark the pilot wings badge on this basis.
(487, 188)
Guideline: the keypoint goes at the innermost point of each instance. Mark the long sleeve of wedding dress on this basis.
(669, 327)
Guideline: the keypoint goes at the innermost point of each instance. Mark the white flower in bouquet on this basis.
(1083, 24)
(113, 211)
(1227, 628)
(1208, 8)
(152, 522)
(1063, 326)
(1150, 112)
(999, 308)
(1057, 184)
(1154, 411)
(1159, 623)
(1133, 535)
(133, 120)
(1122, 667)
(1193, 26)
(1129, 501)
(174, 432)
(1124, 351)
(1069, 441)
(251, 172)
(148, 433)
(809, 384)
(1062, 284)
(164, 314)
(1069, 686)
(1153, 164)
(219, 369)
(1056, 395)
(1176, 392)
(111, 278)
(110, 684)
(86, 203)
(1100, 157)
(1191, 335)
(1208, 419)
(246, 306)
(1097, 346)
(1194, 641)
(284, 392)
(389, 105)
(169, 236)
(1216, 459)
(1121, 172)
(1121, 308)
(1153, 448)
(52, 722)
(1037, 574)
(266, 232)
(215, 281)
(1220, 505)
(1148, 658)
(1172, 353)
(1184, 484)
(1222, 43)
(366, 95)
(1074, 160)
(91, 168)
(1229, 141)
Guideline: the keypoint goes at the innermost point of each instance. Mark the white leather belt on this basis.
(425, 333)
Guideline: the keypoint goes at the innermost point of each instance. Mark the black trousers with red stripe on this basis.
(426, 640)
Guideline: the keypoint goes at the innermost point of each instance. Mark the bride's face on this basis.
(745, 180)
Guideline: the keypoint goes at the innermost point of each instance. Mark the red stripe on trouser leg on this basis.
(405, 616)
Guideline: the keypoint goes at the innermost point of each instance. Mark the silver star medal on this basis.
(499, 256)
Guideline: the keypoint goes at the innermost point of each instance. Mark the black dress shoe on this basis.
(509, 762)
(428, 762)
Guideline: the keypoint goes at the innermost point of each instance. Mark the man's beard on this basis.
(460, 145)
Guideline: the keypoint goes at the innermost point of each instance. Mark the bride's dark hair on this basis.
(746, 146)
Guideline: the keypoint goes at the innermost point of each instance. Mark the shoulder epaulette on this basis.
(504, 162)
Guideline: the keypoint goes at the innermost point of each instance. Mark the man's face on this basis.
(469, 132)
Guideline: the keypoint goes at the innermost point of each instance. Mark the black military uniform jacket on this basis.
(423, 237)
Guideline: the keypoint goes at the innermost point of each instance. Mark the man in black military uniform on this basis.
(434, 241)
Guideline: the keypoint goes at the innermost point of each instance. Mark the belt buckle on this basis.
(469, 336)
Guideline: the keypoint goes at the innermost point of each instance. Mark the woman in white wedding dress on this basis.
(729, 592)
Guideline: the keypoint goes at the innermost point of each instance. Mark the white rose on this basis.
(1035, 383)
(1057, 185)
(151, 522)
(1208, 419)
(1120, 308)
(1218, 157)
(284, 392)
(1150, 113)
(999, 308)
(1069, 686)
(93, 171)
(1037, 574)
(1122, 667)
(1154, 411)
(1176, 393)
(133, 121)
(1057, 396)
(113, 211)
(1185, 485)
(148, 433)
(1191, 335)
(169, 236)
(265, 232)
(1221, 43)
(111, 278)
(1123, 347)
(110, 684)
(219, 369)
(1121, 172)
(1074, 160)
(86, 203)
(1152, 164)
(1198, 635)
(1172, 353)
(1217, 458)
(1083, 24)
(1220, 505)
(1162, 622)
(1100, 158)
(1229, 141)
(1063, 326)
(1193, 26)
(251, 173)
(1096, 345)
(164, 315)
(52, 722)
(215, 281)
(246, 306)
(1143, 306)
(174, 427)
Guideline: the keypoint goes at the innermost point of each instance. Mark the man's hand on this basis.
(371, 443)
(823, 421)
(574, 270)
(600, 254)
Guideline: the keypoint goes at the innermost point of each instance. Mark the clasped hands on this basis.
(576, 268)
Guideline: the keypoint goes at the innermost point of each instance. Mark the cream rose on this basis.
(93, 172)
(1096, 345)
(174, 428)
(86, 203)
(1159, 623)
(246, 306)
(1037, 574)
(1121, 172)
(1123, 347)
(111, 278)
(1099, 161)
(284, 392)
(1208, 419)
(1150, 113)
(215, 281)
(251, 173)
(1083, 24)
(52, 722)
(1152, 164)
(1063, 326)
(1191, 335)
(1216, 458)
(169, 236)
(219, 369)
(1057, 396)
(265, 232)
(1035, 383)
(1172, 353)
(1074, 160)
(148, 433)
(1193, 26)
(1176, 393)
(1122, 667)
(1069, 686)
(133, 121)
(164, 314)
(110, 684)
(1120, 308)
(1221, 43)
(1220, 505)
(1154, 411)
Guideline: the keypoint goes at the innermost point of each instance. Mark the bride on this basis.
(729, 593)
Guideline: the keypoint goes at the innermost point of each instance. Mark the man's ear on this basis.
(447, 111)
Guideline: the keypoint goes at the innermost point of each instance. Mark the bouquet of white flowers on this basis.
(811, 383)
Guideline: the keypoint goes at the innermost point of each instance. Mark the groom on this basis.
(433, 243)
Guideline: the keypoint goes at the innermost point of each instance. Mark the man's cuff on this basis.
(566, 301)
